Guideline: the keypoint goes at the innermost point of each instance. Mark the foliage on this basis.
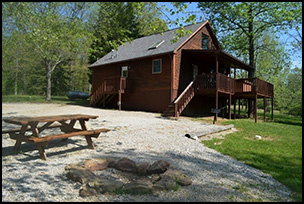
(54, 29)
(278, 153)
(240, 25)
(120, 22)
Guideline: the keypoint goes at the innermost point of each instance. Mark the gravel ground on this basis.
(140, 136)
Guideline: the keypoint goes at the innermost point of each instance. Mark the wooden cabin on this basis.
(192, 76)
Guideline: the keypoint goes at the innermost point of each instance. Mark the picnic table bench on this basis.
(42, 141)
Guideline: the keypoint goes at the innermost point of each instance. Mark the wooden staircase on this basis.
(178, 105)
(107, 90)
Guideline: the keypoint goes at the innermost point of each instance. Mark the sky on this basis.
(296, 59)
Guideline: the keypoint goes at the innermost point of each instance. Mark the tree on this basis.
(120, 22)
(55, 29)
(241, 24)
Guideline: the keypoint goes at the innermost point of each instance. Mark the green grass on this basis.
(278, 153)
(42, 99)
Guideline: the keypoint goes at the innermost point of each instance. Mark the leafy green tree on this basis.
(55, 29)
(120, 22)
(294, 95)
(241, 24)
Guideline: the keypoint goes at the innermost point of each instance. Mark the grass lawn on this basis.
(278, 153)
(42, 99)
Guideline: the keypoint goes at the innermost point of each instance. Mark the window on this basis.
(124, 71)
(156, 66)
(205, 41)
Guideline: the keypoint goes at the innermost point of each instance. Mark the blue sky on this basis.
(192, 7)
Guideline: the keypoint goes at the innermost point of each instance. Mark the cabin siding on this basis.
(150, 92)
(193, 43)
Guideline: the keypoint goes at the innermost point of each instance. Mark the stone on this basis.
(96, 164)
(111, 162)
(81, 175)
(138, 187)
(126, 165)
(166, 183)
(105, 185)
(87, 191)
(74, 166)
(184, 180)
(158, 167)
(142, 169)
(130, 178)
(173, 173)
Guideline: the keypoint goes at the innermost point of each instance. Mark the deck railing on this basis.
(208, 82)
(254, 85)
(108, 86)
(225, 83)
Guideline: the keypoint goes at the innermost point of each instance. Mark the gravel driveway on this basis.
(140, 136)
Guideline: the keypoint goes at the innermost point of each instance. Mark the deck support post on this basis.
(249, 107)
(256, 108)
(234, 107)
(119, 100)
(216, 105)
(265, 109)
(216, 85)
(240, 107)
(229, 108)
(271, 109)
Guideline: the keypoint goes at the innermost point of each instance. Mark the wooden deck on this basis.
(207, 84)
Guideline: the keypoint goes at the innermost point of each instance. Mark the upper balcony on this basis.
(209, 83)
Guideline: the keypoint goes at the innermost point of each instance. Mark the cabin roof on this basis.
(147, 46)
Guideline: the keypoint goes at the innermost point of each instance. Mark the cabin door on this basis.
(124, 71)
(195, 71)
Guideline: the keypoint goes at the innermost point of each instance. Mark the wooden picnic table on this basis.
(38, 124)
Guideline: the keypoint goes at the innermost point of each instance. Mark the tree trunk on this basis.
(49, 83)
(251, 43)
(251, 54)
(16, 74)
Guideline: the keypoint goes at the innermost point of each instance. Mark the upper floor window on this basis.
(124, 71)
(156, 66)
(205, 41)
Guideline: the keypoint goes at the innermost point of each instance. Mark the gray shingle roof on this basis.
(140, 47)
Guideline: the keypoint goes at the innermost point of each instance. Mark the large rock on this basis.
(184, 180)
(158, 167)
(103, 185)
(126, 165)
(142, 168)
(96, 164)
(81, 175)
(138, 187)
(87, 191)
(166, 183)
(112, 161)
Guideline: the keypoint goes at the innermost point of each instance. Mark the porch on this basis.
(209, 73)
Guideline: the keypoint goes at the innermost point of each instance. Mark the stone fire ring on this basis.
(114, 175)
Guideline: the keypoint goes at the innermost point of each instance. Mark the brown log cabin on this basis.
(192, 77)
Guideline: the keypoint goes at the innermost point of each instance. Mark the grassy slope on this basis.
(278, 153)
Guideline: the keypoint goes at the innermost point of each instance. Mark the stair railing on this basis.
(184, 98)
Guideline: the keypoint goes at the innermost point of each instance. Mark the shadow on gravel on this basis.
(217, 179)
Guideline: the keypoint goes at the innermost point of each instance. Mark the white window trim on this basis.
(153, 66)
(124, 68)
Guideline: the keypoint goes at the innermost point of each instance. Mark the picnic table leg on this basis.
(67, 128)
(18, 141)
(88, 137)
(41, 148)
